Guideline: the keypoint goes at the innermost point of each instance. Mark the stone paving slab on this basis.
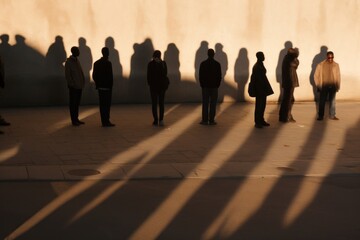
(49, 148)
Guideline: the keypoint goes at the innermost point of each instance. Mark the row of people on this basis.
(327, 79)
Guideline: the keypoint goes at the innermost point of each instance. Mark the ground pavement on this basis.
(181, 181)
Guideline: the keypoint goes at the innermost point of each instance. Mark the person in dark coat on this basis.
(210, 79)
(103, 77)
(158, 83)
(289, 82)
(262, 90)
(75, 80)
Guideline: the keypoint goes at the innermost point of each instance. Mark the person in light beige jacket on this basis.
(327, 80)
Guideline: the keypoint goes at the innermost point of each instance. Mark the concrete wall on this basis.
(183, 30)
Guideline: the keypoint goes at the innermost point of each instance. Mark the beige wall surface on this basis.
(182, 30)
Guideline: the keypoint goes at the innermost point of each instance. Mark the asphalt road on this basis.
(233, 208)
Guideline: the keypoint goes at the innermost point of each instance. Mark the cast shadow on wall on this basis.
(318, 58)
(26, 81)
(283, 52)
(225, 88)
(241, 73)
(36, 80)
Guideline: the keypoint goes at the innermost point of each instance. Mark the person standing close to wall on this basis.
(210, 79)
(262, 89)
(158, 83)
(289, 82)
(75, 80)
(327, 80)
(103, 77)
(2, 85)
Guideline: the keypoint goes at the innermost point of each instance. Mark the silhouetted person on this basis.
(210, 79)
(158, 83)
(75, 81)
(289, 82)
(2, 85)
(103, 77)
(327, 80)
(262, 90)
(283, 52)
(241, 72)
(317, 59)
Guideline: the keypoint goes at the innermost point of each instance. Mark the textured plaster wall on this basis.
(183, 30)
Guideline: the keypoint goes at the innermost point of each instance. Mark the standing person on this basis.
(103, 77)
(289, 82)
(262, 90)
(75, 80)
(2, 85)
(327, 80)
(158, 82)
(210, 79)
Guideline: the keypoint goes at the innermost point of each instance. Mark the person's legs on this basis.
(260, 104)
(283, 113)
(322, 101)
(161, 105)
(108, 103)
(74, 102)
(205, 105)
(102, 106)
(332, 103)
(154, 103)
(213, 102)
(290, 103)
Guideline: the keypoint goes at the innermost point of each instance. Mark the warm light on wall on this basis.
(245, 24)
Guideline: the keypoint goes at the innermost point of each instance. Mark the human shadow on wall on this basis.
(54, 63)
(86, 61)
(241, 73)
(200, 55)
(172, 59)
(5, 53)
(119, 89)
(138, 88)
(321, 56)
(27, 84)
(225, 88)
(282, 54)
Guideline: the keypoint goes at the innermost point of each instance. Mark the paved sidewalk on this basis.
(41, 144)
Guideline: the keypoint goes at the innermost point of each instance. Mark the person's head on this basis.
(157, 54)
(75, 51)
(260, 56)
(4, 38)
(105, 52)
(330, 56)
(294, 52)
(211, 53)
